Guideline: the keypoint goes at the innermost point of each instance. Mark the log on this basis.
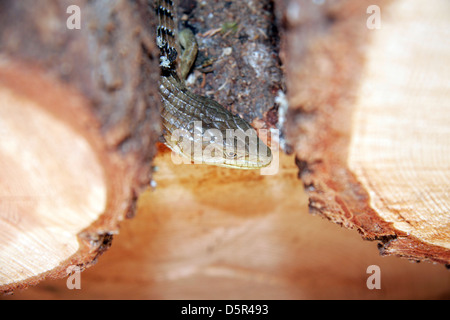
(217, 240)
(79, 118)
(108, 70)
(369, 118)
(204, 232)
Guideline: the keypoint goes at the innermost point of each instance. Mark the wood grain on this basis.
(210, 233)
(369, 119)
(400, 149)
(197, 235)
(79, 118)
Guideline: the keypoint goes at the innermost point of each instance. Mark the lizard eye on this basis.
(231, 154)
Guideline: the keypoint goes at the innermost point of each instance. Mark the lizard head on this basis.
(238, 147)
(243, 150)
(232, 148)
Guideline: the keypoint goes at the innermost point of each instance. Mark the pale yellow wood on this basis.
(400, 149)
(206, 232)
(51, 188)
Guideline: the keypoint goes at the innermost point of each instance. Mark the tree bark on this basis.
(205, 229)
(78, 121)
(369, 118)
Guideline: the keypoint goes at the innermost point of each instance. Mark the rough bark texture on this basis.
(238, 63)
(200, 235)
(98, 84)
(329, 55)
(205, 232)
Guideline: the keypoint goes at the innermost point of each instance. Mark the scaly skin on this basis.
(211, 134)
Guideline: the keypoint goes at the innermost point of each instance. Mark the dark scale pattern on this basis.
(182, 108)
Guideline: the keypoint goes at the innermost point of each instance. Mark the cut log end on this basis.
(87, 132)
(369, 121)
(75, 149)
(56, 178)
(38, 214)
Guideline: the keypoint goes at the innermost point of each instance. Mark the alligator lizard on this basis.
(195, 126)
